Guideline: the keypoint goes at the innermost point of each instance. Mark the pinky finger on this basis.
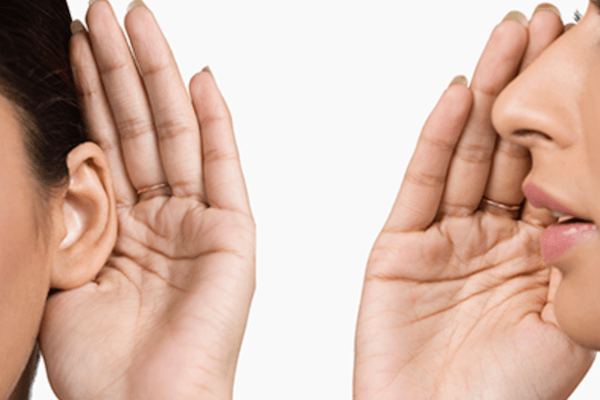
(223, 179)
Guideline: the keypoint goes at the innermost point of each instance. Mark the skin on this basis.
(158, 311)
(33, 257)
(457, 302)
(24, 266)
(165, 316)
(556, 102)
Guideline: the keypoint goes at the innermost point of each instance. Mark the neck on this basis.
(22, 390)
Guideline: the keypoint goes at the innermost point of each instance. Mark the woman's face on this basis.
(24, 271)
(553, 108)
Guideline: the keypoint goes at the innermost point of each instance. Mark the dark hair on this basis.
(35, 76)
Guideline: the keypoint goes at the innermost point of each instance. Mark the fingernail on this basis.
(459, 79)
(547, 7)
(76, 27)
(517, 16)
(207, 69)
(135, 4)
(93, 1)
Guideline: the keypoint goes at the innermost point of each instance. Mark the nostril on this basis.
(529, 133)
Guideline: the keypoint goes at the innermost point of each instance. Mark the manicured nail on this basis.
(517, 16)
(459, 79)
(135, 4)
(547, 7)
(76, 27)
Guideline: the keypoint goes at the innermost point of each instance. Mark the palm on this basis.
(166, 315)
(474, 292)
(158, 280)
(457, 303)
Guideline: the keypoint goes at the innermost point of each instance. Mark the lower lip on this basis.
(558, 239)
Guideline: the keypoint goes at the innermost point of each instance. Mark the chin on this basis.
(577, 309)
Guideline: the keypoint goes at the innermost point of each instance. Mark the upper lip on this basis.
(538, 198)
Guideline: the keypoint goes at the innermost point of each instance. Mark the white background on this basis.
(328, 99)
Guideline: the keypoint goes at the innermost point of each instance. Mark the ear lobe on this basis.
(86, 220)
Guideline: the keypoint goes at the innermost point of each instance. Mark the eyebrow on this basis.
(596, 3)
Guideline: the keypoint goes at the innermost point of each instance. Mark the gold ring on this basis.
(153, 187)
(502, 206)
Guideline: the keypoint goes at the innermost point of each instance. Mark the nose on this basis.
(541, 105)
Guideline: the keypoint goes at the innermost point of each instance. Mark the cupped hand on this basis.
(457, 302)
(165, 317)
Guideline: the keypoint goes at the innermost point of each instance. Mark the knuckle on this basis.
(133, 126)
(512, 150)
(154, 68)
(424, 179)
(108, 146)
(444, 145)
(185, 187)
(170, 128)
(455, 209)
(91, 91)
(218, 118)
(112, 65)
(474, 153)
(212, 155)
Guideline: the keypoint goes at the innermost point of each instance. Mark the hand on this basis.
(165, 317)
(457, 303)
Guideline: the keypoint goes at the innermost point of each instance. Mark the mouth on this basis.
(566, 219)
(569, 231)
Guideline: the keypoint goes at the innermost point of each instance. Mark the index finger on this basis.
(419, 198)
(224, 183)
(511, 162)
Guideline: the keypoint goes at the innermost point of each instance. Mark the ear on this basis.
(85, 219)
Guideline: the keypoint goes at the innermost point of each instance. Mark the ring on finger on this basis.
(511, 208)
(152, 188)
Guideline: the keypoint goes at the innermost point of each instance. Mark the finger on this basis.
(174, 118)
(126, 96)
(223, 179)
(547, 314)
(511, 162)
(545, 26)
(537, 216)
(470, 167)
(96, 112)
(510, 165)
(421, 191)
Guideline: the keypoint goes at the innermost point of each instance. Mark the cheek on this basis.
(23, 287)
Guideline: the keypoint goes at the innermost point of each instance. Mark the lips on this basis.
(538, 198)
(559, 238)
